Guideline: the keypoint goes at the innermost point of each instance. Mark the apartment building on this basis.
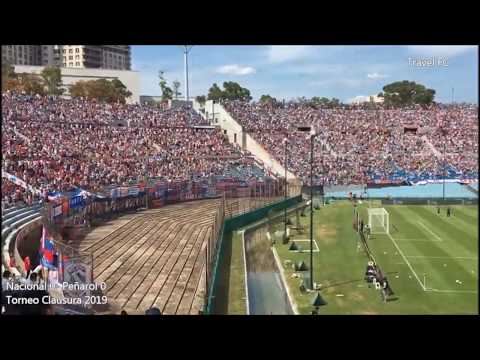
(113, 57)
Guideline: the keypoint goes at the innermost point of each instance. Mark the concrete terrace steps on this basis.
(155, 257)
(117, 227)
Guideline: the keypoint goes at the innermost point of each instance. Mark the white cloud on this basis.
(284, 53)
(376, 75)
(440, 50)
(236, 70)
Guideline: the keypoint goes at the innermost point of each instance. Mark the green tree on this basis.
(52, 78)
(201, 99)
(120, 90)
(233, 91)
(167, 92)
(176, 87)
(320, 101)
(101, 90)
(335, 102)
(324, 102)
(8, 72)
(25, 83)
(79, 89)
(401, 93)
(215, 93)
(267, 99)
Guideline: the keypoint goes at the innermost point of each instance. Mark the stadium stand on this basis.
(357, 145)
(55, 144)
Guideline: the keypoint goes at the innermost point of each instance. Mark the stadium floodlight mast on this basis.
(312, 134)
(186, 50)
(285, 140)
(444, 156)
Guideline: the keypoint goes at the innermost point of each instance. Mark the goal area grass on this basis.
(430, 260)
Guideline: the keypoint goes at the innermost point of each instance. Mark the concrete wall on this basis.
(199, 109)
(130, 79)
(222, 264)
(235, 134)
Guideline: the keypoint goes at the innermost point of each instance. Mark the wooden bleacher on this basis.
(154, 258)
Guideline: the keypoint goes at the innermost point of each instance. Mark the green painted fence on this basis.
(229, 225)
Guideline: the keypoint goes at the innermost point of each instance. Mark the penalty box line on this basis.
(307, 240)
(442, 257)
(430, 231)
(453, 291)
(406, 261)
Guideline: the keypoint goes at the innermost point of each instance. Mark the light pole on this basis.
(312, 138)
(186, 50)
(312, 135)
(444, 158)
(286, 194)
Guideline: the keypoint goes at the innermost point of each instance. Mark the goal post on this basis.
(378, 221)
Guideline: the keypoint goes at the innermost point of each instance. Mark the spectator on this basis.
(153, 311)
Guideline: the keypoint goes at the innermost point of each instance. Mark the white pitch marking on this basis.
(430, 231)
(307, 240)
(406, 261)
(417, 239)
(443, 257)
(454, 291)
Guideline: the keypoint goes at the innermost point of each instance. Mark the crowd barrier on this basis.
(219, 264)
(66, 212)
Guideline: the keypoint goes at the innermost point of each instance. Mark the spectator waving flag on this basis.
(47, 250)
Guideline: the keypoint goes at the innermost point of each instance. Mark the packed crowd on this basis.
(36, 108)
(357, 145)
(55, 144)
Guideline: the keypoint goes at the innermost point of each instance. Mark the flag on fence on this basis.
(47, 250)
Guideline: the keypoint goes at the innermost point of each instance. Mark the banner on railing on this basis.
(20, 183)
(441, 181)
(57, 210)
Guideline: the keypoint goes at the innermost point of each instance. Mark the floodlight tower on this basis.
(312, 134)
(186, 50)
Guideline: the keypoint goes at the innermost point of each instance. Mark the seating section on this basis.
(154, 258)
(55, 144)
(13, 220)
(357, 145)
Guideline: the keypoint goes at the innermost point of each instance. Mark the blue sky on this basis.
(286, 72)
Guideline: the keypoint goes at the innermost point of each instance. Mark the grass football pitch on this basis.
(431, 260)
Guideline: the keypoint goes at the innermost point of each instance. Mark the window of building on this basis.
(64, 64)
(77, 57)
(70, 51)
(77, 50)
(70, 58)
(77, 64)
(63, 51)
(70, 64)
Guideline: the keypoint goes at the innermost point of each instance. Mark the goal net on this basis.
(378, 221)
